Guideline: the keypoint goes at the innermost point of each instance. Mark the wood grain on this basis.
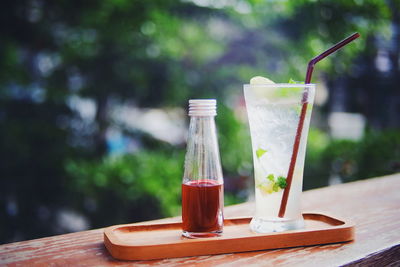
(388, 257)
(374, 205)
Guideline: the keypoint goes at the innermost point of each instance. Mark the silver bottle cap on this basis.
(202, 107)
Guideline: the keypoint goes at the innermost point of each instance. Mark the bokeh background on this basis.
(93, 98)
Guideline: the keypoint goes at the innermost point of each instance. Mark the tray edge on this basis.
(121, 251)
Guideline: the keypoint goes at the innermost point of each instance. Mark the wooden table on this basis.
(374, 205)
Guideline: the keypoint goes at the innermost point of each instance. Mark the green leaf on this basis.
(294, 82)
(260, 152)
(289, 91)
(271, 177)
(281, 182)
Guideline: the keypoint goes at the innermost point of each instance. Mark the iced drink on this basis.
(273, 112)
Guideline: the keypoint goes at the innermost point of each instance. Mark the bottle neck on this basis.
(202, 160)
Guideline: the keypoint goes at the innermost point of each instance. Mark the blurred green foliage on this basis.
(376, 154)
(234, 142)
(144, 185)
(160, 53)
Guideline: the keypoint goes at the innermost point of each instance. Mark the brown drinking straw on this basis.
(293, 159)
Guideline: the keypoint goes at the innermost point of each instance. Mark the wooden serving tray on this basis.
(158, 241)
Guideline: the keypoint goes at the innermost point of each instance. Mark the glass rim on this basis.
(290, 85)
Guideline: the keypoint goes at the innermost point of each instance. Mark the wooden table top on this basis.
(373, 204)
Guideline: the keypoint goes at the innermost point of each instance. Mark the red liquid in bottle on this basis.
(202, 205)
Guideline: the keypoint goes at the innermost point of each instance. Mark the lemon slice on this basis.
(260, 80)
(266, 188)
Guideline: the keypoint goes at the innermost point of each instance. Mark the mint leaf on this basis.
(281, 182)
(294, 82)
(288, 91)
(260, 152)
(271, 177)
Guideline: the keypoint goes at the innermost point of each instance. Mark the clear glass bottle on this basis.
(202, 185)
